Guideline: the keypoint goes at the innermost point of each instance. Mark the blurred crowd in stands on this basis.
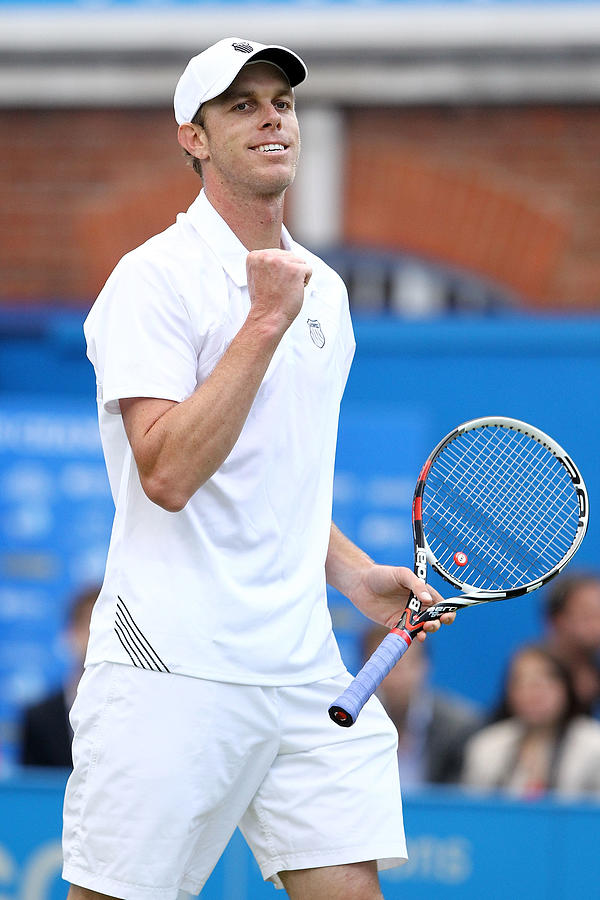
(543, 737)
(46, 733)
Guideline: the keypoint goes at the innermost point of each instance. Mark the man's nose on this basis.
(272, 119)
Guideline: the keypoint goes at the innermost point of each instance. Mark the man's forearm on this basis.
(345, 561)
(380, 592)
(177, 447)
(188, 442)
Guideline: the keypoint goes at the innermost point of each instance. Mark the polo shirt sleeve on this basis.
(140, 337)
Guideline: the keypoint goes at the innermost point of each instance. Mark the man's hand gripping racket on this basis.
(498, 510)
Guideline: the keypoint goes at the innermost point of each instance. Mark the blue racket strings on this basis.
(499, 509)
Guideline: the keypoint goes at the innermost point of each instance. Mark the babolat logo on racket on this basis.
(421, 564)
(414, 604)
(243, 47)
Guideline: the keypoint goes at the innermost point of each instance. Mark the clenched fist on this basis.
(276, 282)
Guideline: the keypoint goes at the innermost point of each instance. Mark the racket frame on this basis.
(346, 708)
(472, 595)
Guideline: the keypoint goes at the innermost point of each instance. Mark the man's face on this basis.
(252, 140)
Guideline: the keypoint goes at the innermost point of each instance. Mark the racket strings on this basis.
(498, 548)
(480, 465)
(549, 473)
(551, 494)
(500, 556)
(507, 553)
(516, 475)
(518, 551)
(505, 500)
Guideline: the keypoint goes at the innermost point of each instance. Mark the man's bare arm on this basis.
(379, 592)
(178, 446)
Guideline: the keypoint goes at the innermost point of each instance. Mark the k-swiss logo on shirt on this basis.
(316, 333)
(243, 47)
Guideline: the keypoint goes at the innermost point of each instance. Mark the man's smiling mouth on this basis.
(269, 148)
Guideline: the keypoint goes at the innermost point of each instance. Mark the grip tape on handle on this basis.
(346, 708)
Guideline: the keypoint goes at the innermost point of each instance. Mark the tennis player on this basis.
(221, 350)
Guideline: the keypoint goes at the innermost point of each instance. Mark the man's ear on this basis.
(193, 139)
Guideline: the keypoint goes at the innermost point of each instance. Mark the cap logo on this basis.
(243, 47)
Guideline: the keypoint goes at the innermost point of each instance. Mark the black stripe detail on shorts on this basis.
(138, 649)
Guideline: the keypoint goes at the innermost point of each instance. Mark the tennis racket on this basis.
(499, 509)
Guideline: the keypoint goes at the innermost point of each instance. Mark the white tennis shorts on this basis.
(166, 766)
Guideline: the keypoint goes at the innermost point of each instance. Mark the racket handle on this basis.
(344, 711)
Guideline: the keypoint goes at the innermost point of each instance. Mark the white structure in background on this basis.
(359, 54)
(387, 53)
(316, 208)
(417, 292)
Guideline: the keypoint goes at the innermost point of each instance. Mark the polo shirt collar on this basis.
(226, 246)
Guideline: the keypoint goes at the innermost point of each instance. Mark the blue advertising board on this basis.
(410, 384)
(55, 520)
(462, 847)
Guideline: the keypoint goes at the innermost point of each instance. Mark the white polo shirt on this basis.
(232, 587)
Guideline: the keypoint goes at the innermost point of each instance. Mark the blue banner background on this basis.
(411, 383)
(460, 847)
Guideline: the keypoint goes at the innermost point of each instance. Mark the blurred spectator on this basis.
(573, 616)
(432, 726)
(46, 732)
(540, 742)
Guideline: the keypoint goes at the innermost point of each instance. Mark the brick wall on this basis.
(79, 189)
(512, 194)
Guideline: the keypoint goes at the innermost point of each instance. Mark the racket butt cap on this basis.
(340, 716)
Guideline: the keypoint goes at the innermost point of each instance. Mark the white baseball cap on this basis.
(211, 72)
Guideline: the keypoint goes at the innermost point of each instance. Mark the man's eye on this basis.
(242, 105)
